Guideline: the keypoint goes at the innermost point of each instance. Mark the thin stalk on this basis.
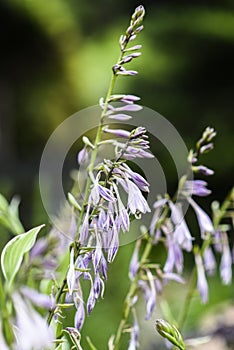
(192, 284)
(5, 317)
(95, 149)
(130, 294)
(62, 289)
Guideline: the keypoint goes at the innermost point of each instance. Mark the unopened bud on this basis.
(170, 332)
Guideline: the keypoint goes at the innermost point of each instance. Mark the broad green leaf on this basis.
(14, 250)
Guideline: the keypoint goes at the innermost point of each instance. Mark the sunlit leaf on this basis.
(14, 250)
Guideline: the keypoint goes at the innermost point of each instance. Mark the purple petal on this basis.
(83, 156)
(118, 132)
(204, 221)
(79, 316)
(226, 262)
(120, 116)
(38, 299)
(106, 193)
(209, 261)
(203, 170)
(197, 188)
(127, 72)
(202, 285)
(134, 264)
(71, 276)
(91, 301)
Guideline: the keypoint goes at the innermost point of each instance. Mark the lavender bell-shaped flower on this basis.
(181, 233)
(204, 221)
(136, 201)
(202, 284)
(32, 331)
(226, 261)
(71, 275)
(196, 187)
(134, 340)
(174, 256)
(79, 316)
(209, 261)
(134, 264)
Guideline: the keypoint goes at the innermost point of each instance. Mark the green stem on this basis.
(95, 149)
(192, 284)
(62, 289)
(187, 301)
(130, 294)
(5, 317)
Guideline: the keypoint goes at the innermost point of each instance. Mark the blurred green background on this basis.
(56, 58)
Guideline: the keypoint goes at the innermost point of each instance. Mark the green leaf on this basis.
(13, 252)
(9, 215)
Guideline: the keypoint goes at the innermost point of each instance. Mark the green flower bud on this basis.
(170, 332)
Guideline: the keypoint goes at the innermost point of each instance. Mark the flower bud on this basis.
(170, 332)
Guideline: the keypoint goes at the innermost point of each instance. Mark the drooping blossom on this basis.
(226, 261)
(209, 261)
(182, 234)
(134, 338)
(32, 331)
(203, 219)
(202, 284)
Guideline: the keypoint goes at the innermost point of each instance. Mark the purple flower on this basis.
(91, 301)
(118, 132)
(204, 221)
(134, 264)
(181, 233)
(103, 267)
(123, 71)
(99, 190)
(136, 201)
(98, 286)
(120, 116)
(226, 262)
(174, 256)
(203, 170)
(97, 255)
(32, 331)
(137, 178)
(84, 231)
(38, 299)
(83, 155)
(151, 300)
(196, 187)
(158, 206)
(122, 219)
(133, 152)
(134, 340)
(79, 316)
(71, 275)
(171, 276)
(202, 285)
(209, 261)
(113, 244)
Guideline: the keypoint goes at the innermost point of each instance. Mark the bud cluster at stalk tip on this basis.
(128, 54)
